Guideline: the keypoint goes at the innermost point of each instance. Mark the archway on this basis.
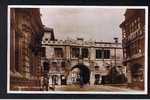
(84, 73)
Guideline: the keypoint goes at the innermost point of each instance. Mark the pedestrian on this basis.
(81, 81)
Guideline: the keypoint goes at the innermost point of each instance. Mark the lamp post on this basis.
(115, 62)
(116, 41)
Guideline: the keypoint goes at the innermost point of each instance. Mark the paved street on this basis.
(102, 88)
(95, 88)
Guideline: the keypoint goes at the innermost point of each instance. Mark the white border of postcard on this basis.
(78, 92)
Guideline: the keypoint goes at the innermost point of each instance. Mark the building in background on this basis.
(26, 32)
(68, 59)
(133, 36)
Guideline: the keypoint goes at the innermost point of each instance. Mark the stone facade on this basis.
(133, 37)
(26, 30)
(65, 58)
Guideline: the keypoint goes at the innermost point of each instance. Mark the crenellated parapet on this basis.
(72, 42)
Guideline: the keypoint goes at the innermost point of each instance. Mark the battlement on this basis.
(73, 42)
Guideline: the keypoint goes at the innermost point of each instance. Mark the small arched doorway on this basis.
(84, 73)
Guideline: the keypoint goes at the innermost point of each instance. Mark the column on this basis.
(67, 52)
(50, 80)
(59, 79)
(92, 54)
(92, 79)
(129, 74)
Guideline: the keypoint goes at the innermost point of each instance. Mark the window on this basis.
(102, 54)
(99, 54)
(85, 52)
(75, 52)
(106, 54)
(58, 52)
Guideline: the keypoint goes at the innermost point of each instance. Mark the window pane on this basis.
(58, 52)
(75, 52)
(85, 52)
(99, 54)
(106, 54)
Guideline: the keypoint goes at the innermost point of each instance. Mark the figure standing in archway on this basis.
(83, 76)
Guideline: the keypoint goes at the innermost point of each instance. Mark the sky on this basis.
(96, 24)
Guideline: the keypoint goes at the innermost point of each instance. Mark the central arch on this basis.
(84, 72)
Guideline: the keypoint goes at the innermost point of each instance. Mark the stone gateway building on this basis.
(73, 61)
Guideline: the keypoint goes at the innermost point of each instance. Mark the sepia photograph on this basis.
(77, 49)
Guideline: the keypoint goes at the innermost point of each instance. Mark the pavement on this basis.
(93, 88)
(98, 88)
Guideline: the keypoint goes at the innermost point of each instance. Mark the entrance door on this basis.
(63, 80)
(55, 79)
(97, 79)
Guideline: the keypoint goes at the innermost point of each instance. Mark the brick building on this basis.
(26, 31)
(133, 37)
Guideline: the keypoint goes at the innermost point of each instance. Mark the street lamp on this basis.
(115, 62)
(116, 41)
